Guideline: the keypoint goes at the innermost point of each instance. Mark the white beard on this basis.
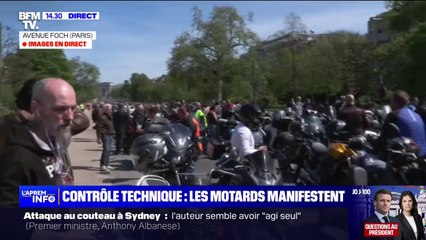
(63, 137)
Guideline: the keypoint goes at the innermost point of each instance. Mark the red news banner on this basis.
(381, 229)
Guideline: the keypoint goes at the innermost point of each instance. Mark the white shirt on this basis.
(410, 220)
(242, 139)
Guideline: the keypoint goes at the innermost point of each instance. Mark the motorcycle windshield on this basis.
(159, 125)
(314, 125)
(261, 161)
(179, 139)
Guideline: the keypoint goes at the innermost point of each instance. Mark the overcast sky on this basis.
(138, 36)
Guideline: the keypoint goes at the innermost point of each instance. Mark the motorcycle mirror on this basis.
(152, 180)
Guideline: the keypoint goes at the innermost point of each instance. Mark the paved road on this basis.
(85, 153)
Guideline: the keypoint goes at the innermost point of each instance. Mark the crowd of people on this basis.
(127, 122)
(124, 122)
(34, 142)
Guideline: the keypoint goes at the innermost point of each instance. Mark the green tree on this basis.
(139, 87)
(123, 92)
(38, 63)
(24, 64)
(185, 68)
(402, 62)
(86, 77)
(220, 39)
(50, 63)
(326, 65)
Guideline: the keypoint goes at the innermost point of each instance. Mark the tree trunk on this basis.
(219, 77)
(220, 89)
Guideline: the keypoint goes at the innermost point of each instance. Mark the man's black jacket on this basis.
(24, 162)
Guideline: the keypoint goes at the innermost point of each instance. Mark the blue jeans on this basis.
(106, 149)
(193, 160)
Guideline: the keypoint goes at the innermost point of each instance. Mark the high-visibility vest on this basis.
(197, 133)
(199, 114)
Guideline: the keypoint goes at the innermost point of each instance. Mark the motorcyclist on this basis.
(421, 110)
(354, 117)
(298, 106)
(96, 115)
(242, 138)
(227, 110)
(191, 122)
(135, 126)
(120, 119)
(199, 115)
(409, 123)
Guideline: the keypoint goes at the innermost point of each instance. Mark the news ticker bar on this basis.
(186, 196)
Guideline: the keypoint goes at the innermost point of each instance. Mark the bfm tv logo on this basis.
(39, 196)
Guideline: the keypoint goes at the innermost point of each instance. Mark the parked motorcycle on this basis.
(166, 150)
(255, 169)
(401, 154)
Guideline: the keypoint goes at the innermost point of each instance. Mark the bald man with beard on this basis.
(36, 153)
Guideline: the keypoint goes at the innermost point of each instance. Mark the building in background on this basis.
(105, 89)
(289, 40)
(378, 30)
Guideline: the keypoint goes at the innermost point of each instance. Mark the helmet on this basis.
(335, 127)
(296, 127)
(147, 150)
(357, 142)
(250, 114)
(281, 121)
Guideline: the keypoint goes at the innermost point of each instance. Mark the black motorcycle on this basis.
(302, 153)
(401, 154)
(257, 169)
